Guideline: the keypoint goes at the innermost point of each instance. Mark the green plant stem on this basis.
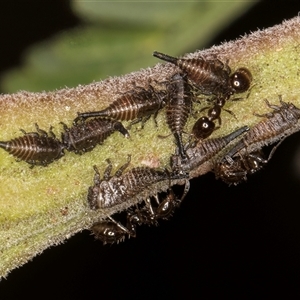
(43, 206)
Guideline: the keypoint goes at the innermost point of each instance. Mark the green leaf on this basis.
(118, 38)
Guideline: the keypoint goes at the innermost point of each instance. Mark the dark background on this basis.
(241, 242)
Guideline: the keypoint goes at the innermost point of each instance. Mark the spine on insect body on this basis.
(35, 148)
(85, 136)
(166, 57)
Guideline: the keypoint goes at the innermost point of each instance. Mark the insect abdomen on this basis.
(132, 105)
(85, 136)
(209, 76)
(205, 150)
(120, 188)
(281, 120)
(178, 107)
(125, 108)
(140, 178)
(34, 148)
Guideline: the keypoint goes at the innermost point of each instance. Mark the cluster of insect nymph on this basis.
(192, 79)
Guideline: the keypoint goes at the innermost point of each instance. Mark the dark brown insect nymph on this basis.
(211, 77)
(246, 156)
(178, 107)
(120, 188)
(277, 125)
(35, 148)
(137, 105)
(84, 137)
(203, 151)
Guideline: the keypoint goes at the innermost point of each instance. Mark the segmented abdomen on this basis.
(209, 76)
(117, 190)
(140, 178)
(178, 107)
(282, 119)
(85, 136)
(179, 103)
(127, 107)
(132, 105)
(34, 148)
(204, 151)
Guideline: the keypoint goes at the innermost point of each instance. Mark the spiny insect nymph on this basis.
(84, 137)
(117, 189)
(204, 151)
(245, 157)
(35, 148)
(137, 105)
(276, 125)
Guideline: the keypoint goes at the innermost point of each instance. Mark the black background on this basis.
(241, 242)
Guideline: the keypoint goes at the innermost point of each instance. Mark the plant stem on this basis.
(43, 206)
